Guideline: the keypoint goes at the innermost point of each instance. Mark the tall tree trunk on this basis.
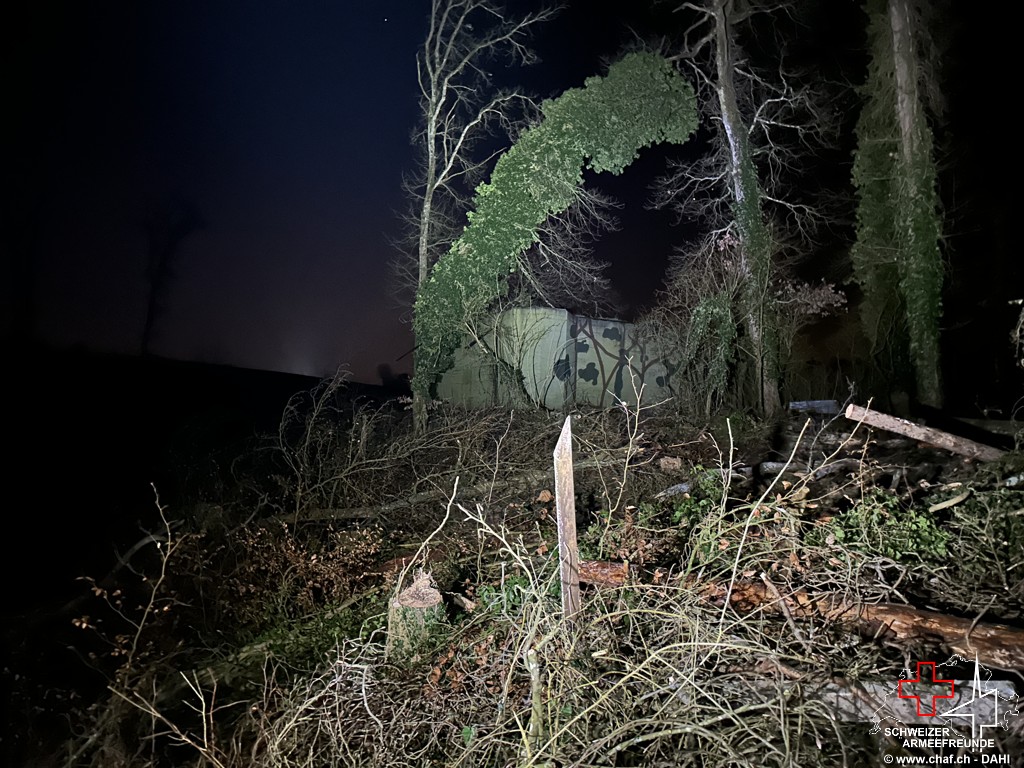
(458, 106)
(755, 244)
(908, 105)
(896, 257)
(921, 276)
(426, 212)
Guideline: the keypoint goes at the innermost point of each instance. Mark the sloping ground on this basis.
(748, 595)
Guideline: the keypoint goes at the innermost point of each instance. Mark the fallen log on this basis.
(327, 514)
(930, 435)
(600, 573)
(994, 645)
(525, 480)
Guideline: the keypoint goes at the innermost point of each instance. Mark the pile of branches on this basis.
(707, 653)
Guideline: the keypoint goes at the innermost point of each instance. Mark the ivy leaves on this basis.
(641, 101)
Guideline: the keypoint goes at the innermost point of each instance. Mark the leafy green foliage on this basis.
(921, 271)
(704, 498)
(303, 644)
(710, 348)
(879, 525)
(641, 101)
(506, 597)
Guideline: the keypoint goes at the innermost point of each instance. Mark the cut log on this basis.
(936, 437)
(994, 645)
(601, 573)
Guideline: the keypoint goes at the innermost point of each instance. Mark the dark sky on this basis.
(285, 126)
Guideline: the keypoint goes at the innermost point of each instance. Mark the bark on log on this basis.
(937, 437)
(600, 573)
(995, 645)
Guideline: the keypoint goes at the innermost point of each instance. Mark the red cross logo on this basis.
(927, 682)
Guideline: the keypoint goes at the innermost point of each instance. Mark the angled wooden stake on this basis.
(565, 502)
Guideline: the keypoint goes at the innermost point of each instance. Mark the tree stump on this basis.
(411, 616)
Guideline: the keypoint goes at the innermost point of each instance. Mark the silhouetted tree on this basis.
(165, 231)
(461, 113)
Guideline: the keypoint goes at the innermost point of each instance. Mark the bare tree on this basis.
(166, 229)
(777, 122)
(560, 269)
(462, 116)
(460, 113)
(767, 128)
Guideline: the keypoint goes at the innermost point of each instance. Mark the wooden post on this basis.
(565, 503)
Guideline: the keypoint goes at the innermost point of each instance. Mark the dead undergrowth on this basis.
(256, 636)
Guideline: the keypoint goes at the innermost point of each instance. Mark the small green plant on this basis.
(505, 597)
(704, 497)
(701, 513)
(303, 644)
(879, 525)
(641, 535)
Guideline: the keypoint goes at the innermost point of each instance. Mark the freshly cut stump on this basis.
(412, 614)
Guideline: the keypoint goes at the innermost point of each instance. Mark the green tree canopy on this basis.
(603, 125)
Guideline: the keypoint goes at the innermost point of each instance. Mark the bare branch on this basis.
(792, 120)
(559, 270)
(460, 110)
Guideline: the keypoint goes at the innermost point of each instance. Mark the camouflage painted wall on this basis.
(555, 359)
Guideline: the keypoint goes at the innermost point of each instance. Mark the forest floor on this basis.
(753, 594)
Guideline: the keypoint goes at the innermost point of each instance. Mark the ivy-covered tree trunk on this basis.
(755, 242)
(897, 258)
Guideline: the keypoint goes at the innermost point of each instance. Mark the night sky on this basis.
(284, 128)
(284, 125)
